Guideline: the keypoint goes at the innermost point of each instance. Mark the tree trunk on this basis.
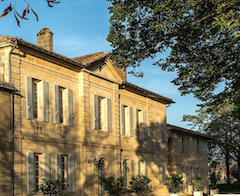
(228, 172)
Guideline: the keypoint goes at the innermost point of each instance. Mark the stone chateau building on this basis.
(79, 118)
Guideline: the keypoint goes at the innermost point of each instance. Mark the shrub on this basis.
(197, 183)
(213, 180)
(52, 187)
(173, 182)
(140, 184)
(113, 186)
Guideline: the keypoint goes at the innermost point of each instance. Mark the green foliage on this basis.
(113, 186)
(140, 184)
(52, 187)
(203, 37)
(173, 182)
(197, 183)
(214, 178)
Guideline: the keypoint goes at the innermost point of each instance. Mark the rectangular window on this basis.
(102, 113)
(100, 109)
(61, 104)
(35, 99)
(197, 146)
(182, 144)
(163, 175)
(137, 123)
(141, 124)
(37, 174)
(64, 167)
(126, 120)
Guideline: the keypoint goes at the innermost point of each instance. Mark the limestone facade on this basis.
(80, 118)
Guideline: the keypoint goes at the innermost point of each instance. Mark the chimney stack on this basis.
(45, 38)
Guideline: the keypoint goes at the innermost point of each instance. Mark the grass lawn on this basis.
(234, 188)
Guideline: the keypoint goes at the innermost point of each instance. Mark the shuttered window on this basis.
(138, 167)
(182, 143)
(141, 124)
(45, 101)
(35, 99)
(146, 168)
(162, 133)
(30, 172)
(63, 105)
(200, 147)
(132, 168)
(186, 144)
(47, 166)
(72, 183)
(144, 116)
(102, 113)
(37, 93)
(137, 123)
(33, 171)
(163, 174)
(126, 120)
(65, 168)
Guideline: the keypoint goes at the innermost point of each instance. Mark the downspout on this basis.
(12, 118)
(12, 142)
(10, 62)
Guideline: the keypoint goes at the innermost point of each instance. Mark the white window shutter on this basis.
(162, 133)
(56, 104)
(70, 108)
(186, 169)
(47, 166)
(137, 123)
(58, 168)
(138, 167)
(200, 147)
(30, 172)
(132, 168)
(109, 115)
(72, 184)
(122, 119)
(201, 173)
(131, 121)
(186, 144)
(163, 174)
(45, 101)
(145, 134)
(181, 142)
(96, 125)
(29, 97)
(146, 168)
(197, 146)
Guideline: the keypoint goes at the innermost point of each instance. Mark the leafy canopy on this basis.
(203, 36)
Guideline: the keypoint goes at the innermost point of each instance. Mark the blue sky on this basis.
(80, 27)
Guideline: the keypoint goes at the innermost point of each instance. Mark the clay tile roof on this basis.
(90, 58)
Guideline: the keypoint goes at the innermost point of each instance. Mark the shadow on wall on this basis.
(5, 142)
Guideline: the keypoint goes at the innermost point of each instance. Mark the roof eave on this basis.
(177, 129)
(76, 65)
(146, 93)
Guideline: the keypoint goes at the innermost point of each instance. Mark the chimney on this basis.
(45, 38)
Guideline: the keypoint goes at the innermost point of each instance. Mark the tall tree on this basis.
(12, 8)
(203, 36)
(224, 129)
